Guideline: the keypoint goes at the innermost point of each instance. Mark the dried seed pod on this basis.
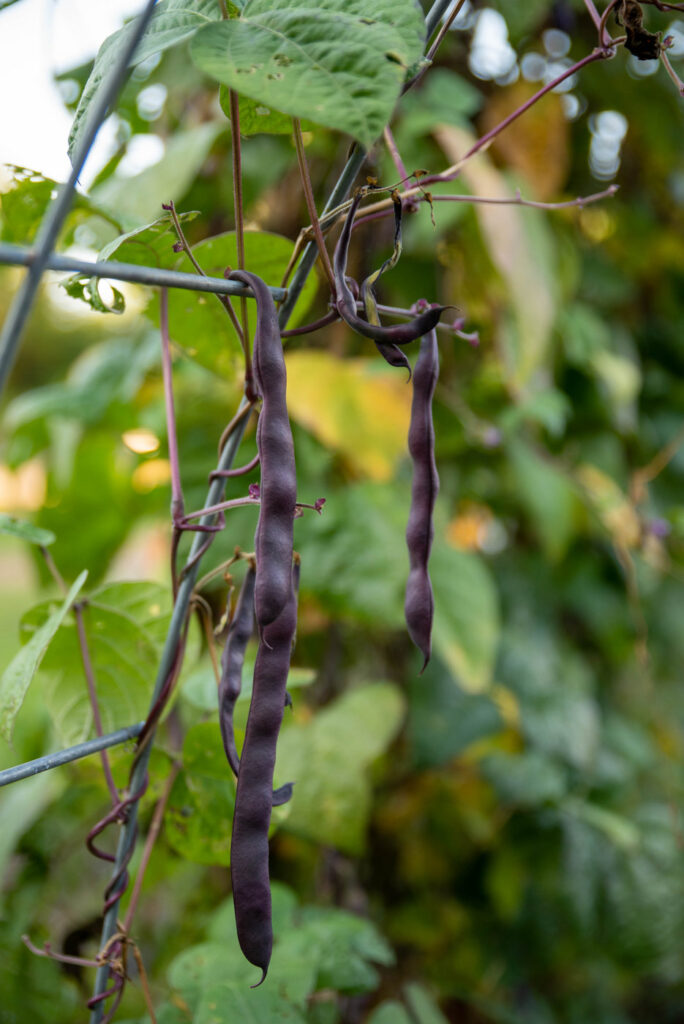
(419, 602)
(249, 845)
(399, 334)
(278, 489)
(230, 684)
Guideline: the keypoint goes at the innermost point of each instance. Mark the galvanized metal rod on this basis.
(435, 15)
(59, 208)
(75, 753)
(18, 255)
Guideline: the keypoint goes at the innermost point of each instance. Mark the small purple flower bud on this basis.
(254, 491)
(167, 206)
(178, 247)
(491, 438)
(318, 504)
(420, 306)
(659, 527)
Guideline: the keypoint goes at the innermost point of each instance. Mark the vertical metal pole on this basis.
(54, 218)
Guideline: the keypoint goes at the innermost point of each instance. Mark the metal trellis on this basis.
(41, 257)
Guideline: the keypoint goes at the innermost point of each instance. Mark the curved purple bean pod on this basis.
(419, 602)
(273, 537)
(230, 684)
(253, 801)
(398, 334)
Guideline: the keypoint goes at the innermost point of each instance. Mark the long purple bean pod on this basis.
(419, 602)
(273, 537)
(230, 684)
(392, 354)
(398, 334)
(253, 801)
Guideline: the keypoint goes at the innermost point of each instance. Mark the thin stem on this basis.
(53, 570)
(594, 14)
(330, 318)
(242, 414)
(602, 23)
(185, 246)
(92, 696)
(62, 958)
(150, 840)
(394, 153)
(239, 216)
(222, 506)
(381, 208)
(177, 503)
(485, 140)
(239, 471)
(218, 570)
(311, 202)
(446, 25)
(671, 72)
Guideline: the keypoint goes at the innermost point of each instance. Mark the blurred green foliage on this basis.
(499, 839)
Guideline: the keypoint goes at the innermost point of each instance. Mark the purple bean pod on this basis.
(419, 602)
(253, 801)
(398, 334)
(273, 538)
(230, 684)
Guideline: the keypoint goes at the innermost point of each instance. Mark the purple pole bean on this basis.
(419, 602)
(399, 334)
(273, 538)
(230, 684)
(253, 801)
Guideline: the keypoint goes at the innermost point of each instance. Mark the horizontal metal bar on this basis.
(44, 764)
(21, 256)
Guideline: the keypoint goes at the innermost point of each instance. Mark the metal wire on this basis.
(74, 753)
(435, 15)
(17, 255)
(58, 209)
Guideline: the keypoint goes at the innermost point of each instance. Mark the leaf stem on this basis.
(239, 218)
(177, 503)
(311, 202)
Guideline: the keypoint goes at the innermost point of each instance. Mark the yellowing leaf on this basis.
(519, 248)
(353, 407)
(612, 506)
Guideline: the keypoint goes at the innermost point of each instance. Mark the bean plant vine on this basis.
(262, 584)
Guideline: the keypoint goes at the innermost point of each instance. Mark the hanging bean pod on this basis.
(278, 489)
(230, 684)
(249, 844)
(419, 602)
(276, 614)
(399, 334)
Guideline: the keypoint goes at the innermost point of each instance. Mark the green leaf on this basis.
(465, 631)
(199, 687)
(25, 203)
(20, 805)
(346, 947)
(150, 245)
(443, 720)
(255, 118)
(528, 779)
(390, 1012)
(327, 758)
(444, 98)
(137, 200)
(548, 497)
(125, 625)
(424, 1009)
(173, 22)
(17, 677)
(336, 63)
(198, 323)
(25, 531)
(224, 1002)
(199, 818)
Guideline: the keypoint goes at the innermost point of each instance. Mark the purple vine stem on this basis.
(177, 504)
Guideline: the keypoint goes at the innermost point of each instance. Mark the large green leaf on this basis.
(125, 624)
(443, 720)
(336, 63)
(327, 758)
(17, 677)
(465, 632)
(137, 200)
(199, 324)
(24, 204)
(199, 818)
(172, 22)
